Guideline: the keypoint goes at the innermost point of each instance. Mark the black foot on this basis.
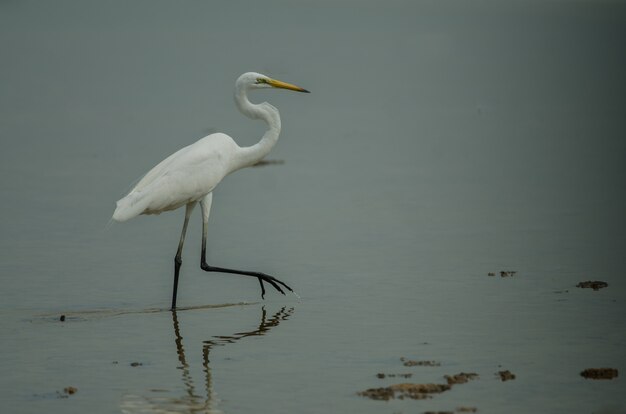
(262, 277)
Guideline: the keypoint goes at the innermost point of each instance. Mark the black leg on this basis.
(178, 259)
(177, 262)
(262, 277)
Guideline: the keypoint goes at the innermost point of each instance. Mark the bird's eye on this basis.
(261, 80)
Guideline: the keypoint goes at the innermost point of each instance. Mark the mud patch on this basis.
(381, 375)
(503, 273)
(506, 375)
(592, 284)
(460, 378)
(415, 391)
(599, 373)
(411, 363)
(405, 390)
(70, 390)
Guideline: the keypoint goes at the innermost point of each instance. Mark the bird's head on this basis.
(253, 80)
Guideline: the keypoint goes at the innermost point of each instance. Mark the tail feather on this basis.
(130, 206)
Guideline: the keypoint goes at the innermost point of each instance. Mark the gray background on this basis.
(442, 140)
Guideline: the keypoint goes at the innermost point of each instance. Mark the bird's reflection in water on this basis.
(192, 401)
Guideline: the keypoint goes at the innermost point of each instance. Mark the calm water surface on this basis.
(442, 141)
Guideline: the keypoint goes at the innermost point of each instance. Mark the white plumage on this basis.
(182, 178)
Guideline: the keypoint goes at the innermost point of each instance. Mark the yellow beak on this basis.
(284, 85)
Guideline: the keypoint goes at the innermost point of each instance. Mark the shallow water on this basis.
(442, 141)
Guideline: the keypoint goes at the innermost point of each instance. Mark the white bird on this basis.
(191, 174)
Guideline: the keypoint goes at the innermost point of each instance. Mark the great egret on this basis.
(189, 175)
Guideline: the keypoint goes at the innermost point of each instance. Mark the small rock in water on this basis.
(62, 318)
(136, 364)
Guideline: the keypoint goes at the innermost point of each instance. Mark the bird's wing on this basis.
(183, 177)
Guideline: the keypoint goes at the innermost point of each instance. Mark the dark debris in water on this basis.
(382, 393)
(600, 373)
(381, 375)
(70, 390)
(404, 390)
(415, 391)
(136, 364)
(411, 363)
(460, 378)
(62, 318)
(503, 273)
(458, 410)
(67, 391)
(595, 284)
(506, 375)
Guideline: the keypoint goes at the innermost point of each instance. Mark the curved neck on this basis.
(251, 155)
